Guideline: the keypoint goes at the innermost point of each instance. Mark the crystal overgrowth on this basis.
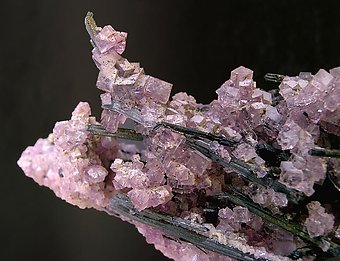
(203, 171)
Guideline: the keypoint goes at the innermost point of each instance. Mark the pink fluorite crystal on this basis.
(245, 152)
(319, 222)
(108, 39)
(290, 135)
(111, 120)
(129, 174)
(68, 163)
(267, 197)
(150, 197)
(157, 90)
(230, 220)
(302, 172)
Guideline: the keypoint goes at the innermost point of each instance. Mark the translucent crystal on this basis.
(289, 135)
(150, 197)
(95, 173)
(106, 78)
(241, 214)
(108, 39)
(157, 89)
(111, 120)
(241, 74)
(319, 222)
(267, 197)
(245, 152)
(129, 174)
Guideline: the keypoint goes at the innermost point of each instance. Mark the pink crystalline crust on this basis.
(129, 174)
(319, 223)
(240, 220)
(147, 189)
(68, 163)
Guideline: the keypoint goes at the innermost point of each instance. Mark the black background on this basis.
(46, 69)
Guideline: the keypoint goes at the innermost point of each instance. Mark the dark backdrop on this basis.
(46, 69)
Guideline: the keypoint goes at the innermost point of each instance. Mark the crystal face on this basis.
(319, 222)
(193, 153)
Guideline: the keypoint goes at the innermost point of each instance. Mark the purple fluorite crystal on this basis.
(69, 162)
(108, 39)
(318, 222)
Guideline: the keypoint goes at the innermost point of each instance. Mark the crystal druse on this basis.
(87, 170)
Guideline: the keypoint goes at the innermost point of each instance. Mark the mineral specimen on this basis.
(195, 156)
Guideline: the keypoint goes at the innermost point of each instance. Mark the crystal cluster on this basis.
(169, 176)
(319, 222)
(69, 162)
(266, 197)
(255, 231)
(310, 102)
(125, 82)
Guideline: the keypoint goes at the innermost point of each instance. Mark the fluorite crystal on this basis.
(150, 197)
(68, 162)
(318, 222)
(108, 38)
(168, 174)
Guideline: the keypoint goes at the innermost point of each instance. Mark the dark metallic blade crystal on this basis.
(175, 227)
